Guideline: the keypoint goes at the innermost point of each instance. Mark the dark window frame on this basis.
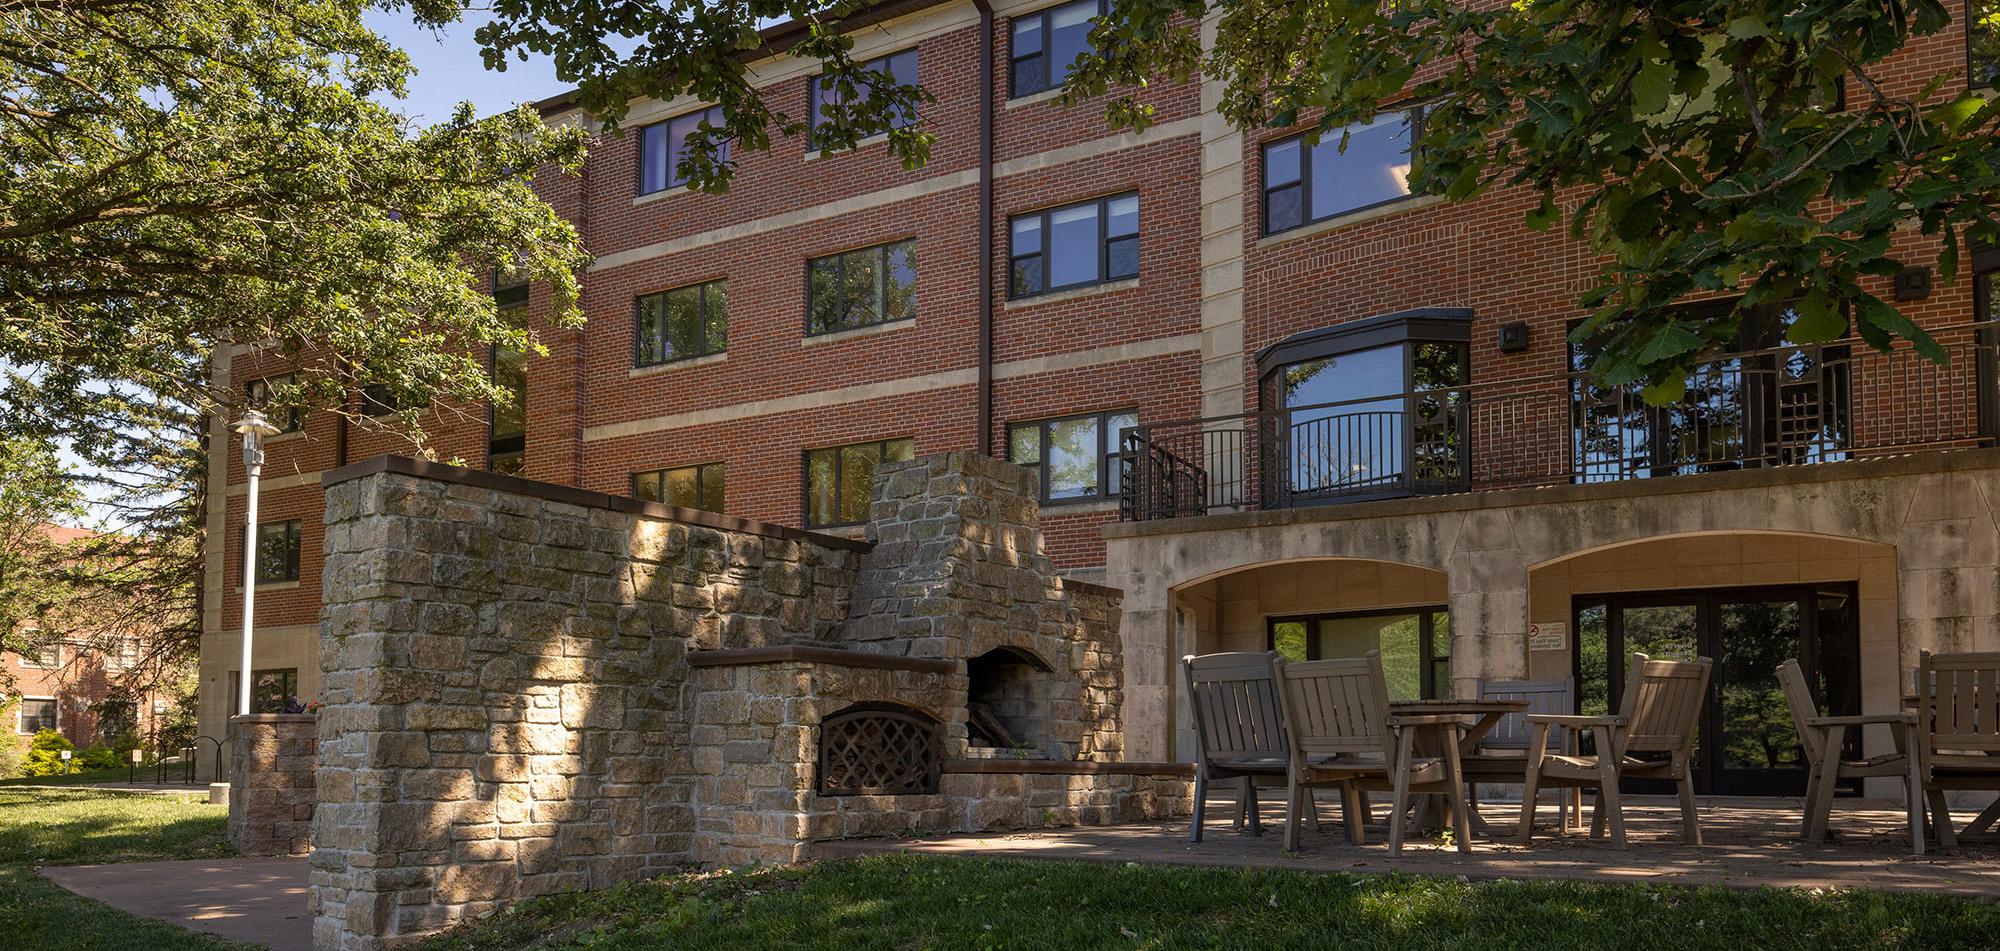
(805, 476)
(1972, 72)
(881, 252)
(671, 176)
(1043, 18)
(289, 571)
(1107, 453)
(1414, 115)
(288, 687)
(700, 484)
(709, 347)
(510, 287)
(21, 718)
(878, 64)
(1427, 614)
(295, 416)
(1104, 241)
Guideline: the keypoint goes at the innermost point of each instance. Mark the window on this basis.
(1074, 246)
(681, 324)
(121, 653)
(1415, 645)
(510, 286)
(838, 480)
(692, 487)
(1982, 40)
(507, 418)
(258, 393)
(901, 70)
(1075, 458)
(1305, 183)
(36, 714)
(278, 552)
(269, 693)
(41, 656)
(858, 288)
(385, 399)
(1047, 42)
(664, 145)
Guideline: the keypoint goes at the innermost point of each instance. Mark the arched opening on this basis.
(878, 749)
(1007, 702)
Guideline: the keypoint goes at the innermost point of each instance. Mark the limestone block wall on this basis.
(271, 783)
(508, 699)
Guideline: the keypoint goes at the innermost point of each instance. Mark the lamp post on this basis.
(253, 427)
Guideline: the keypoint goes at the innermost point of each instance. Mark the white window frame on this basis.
(21, 714)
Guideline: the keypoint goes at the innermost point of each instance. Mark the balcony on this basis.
(1786, 406)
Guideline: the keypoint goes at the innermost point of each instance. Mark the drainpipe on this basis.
(985, 9)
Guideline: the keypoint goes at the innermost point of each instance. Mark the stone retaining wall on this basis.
(271, 783)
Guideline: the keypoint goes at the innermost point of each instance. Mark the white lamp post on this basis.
(254, 428)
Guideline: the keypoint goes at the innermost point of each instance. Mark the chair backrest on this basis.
(1662, 703)
(1961, 693)
(1334, 707)
(1798, 696)
(1543, 696)
(1234, 697)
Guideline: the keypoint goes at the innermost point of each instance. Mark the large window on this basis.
(278, 552)
(839, 479)
(1982, 62)
(1074, 458)
(664, 145)
(682, 324)
(693, 487)
(1372, 408)
(271, 692)
(1047, 42)
(1415, 645)
(900, 70)
(36, 714)
(507, 418)
(1305, 183)
(1074, 246)
(858, 288)
(258, 395)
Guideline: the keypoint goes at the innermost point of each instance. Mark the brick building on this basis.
(1272, 327)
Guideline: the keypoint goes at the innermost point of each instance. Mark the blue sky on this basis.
(449, 70)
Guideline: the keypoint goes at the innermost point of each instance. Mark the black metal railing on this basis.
(1782, 406)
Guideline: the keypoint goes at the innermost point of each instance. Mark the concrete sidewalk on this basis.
(256, 900)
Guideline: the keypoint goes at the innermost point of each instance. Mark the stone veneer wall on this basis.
(271, 794)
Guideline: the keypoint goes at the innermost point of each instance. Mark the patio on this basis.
(1748, 843)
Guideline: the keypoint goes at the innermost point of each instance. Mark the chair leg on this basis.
(1293, 792)
(1461, 819)
(1247, 804)
(1913, 797)
(1829, 778)
(1806, 804)
(1312, 805)
(1399, 806)
(1529, 791)
(1611, 808)
(1690, 818)
(1575, 794)
(1941, 819)
(1200, 803)
(1355, 807)
(1597, 816)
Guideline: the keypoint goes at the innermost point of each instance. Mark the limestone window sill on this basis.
(662, 194)
(814, 155)
(1082, 507)
(271, 586)
(1045, 95)
(672, 365)
(1351, 219)
(854, 333)
(1074, 293)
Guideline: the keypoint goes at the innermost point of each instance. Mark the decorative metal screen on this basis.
(878, 751)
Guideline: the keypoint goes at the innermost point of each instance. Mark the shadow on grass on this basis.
(916, 901)
(69, 827)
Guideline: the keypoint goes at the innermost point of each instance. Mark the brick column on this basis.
(271, 792)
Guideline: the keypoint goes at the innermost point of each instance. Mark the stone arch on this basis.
(1614, 544)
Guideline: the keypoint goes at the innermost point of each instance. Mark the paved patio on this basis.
(257, 900)
(1746, 843)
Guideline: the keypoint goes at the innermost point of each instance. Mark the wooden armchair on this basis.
(1958, 710)
(1238, 731)
(1825, 739)
(1657, 714)
(1337, 718)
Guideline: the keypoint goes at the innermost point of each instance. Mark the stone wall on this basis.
(271, 794)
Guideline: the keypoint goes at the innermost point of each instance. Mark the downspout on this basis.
(985, 9)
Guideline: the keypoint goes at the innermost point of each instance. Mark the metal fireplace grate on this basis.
(878, 751)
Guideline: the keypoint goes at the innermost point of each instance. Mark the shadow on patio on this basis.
(1747, 843)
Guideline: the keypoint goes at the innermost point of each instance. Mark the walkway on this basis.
(1747, 843)
(261, 900)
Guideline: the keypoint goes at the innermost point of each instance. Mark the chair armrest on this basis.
(1863, 719)
(1573, 721)
(1427, 719)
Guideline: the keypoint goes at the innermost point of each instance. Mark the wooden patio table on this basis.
(1480, 717)
(1981, 826)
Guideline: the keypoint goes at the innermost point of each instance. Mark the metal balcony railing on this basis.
(1783, 406)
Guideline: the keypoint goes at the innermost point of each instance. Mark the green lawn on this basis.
(69, 827)
(114, 774)
(923, 902)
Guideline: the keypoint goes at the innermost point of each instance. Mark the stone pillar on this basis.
(271, 786)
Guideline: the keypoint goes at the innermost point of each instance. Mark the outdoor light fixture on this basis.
(254, 429)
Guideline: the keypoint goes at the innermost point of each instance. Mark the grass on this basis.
(932, 902)
(110, 774)
(68, 827)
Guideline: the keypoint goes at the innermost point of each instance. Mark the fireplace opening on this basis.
(1007, 702)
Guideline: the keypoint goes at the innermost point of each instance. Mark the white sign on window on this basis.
(1548, 636)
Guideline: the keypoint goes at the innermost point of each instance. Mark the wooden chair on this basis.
(1657, 714)
(1337, 718)
(1958, 710)
(1825, 739)
(1502, 755)
(1238, 730)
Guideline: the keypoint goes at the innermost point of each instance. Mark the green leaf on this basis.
(1672, 341)
(1748, 27)
(1817, 319)
(1542, 216)
(1651, 88)
(1665, 392)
